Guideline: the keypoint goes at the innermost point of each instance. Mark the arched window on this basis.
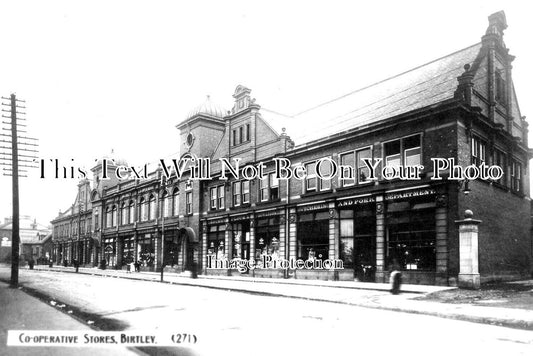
(175, 203)
(124, 213)
(143, 211)
(96, 221)
(152, 207)
(165, 204)
(108, 217)
(132, 211)
(114, 216)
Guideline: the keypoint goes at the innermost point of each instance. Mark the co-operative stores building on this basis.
(461, 106)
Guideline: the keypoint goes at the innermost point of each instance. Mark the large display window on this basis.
(313, 236)
(241, 240)
(172, 249)
(146, 251)
(267, 237)
(110, 253)
(215, 241)
(358, 240)
(128, 251)
(410, 234)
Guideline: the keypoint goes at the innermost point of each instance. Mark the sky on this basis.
(119, 75)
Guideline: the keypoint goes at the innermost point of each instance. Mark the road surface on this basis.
(232, 323)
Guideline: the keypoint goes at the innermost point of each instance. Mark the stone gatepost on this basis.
(468, 251)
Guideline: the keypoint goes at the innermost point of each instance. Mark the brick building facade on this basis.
(461, 106)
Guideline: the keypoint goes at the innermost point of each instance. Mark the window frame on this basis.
(402, 154)
(363, 166)
(216, 197)
(516, 179)
(342, 182)
(499, 158)
(175, 202)
(240, 193)
(267, 186)
(478, 148)
(500, 87)
(221, 196)
(310, 177)
(320, 186)
(188, 203)
(152, 207)
(213, 198)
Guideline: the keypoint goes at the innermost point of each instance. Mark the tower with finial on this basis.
(242, 98)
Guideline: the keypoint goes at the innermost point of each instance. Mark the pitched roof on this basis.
(417, 88)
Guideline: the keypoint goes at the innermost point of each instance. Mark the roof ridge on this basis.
(383, 80)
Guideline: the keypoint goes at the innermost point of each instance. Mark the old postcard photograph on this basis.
(266, 178)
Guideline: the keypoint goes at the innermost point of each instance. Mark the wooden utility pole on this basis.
(13, 170)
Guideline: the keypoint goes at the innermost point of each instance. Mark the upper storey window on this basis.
(479, 151)
(406, 151)
(241, 134)
(500, 88)
(360, 171)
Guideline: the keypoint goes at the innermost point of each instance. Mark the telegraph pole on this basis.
(13, 170)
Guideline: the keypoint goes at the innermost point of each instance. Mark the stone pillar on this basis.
(252, 237)
(135, 244)
(380, 240)
(292, 233)
(333, 250)
(441, 230)
(120, 250)
(155, 237)
(333, 229)
(203, 252)
(227, 239)
(468, 252)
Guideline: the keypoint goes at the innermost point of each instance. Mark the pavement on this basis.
(350, 293)
(20, 311)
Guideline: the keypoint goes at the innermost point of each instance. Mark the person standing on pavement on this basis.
(395, 277)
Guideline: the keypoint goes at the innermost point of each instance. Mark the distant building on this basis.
(461, 106)
(31, 234)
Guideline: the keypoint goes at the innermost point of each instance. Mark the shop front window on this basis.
(267, 238)
(410, 234)
(358, 240)
(313, 236)
(215, 241)
(110, 252)
(172, 249)
(241, 240)
(128, 251)
(146, 251)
